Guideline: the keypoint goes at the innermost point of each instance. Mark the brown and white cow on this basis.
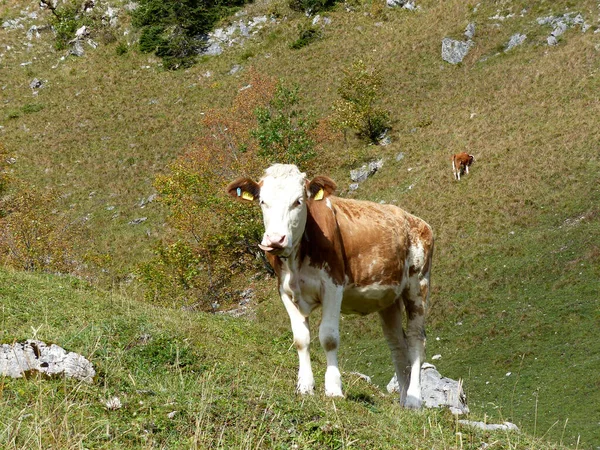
(346, 256)
(460, 164)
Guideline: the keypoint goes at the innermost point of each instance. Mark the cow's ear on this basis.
(321, 187)
(244, 189)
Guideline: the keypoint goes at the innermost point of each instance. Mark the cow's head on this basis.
(470, 160)
(283, 193)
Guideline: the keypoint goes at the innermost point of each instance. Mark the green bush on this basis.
(67, 18)
(121, 48)
(358, 109)
(306, 35)
(284, 130)
(311, 6)
(173, 29)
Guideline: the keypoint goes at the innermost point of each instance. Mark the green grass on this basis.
(110, 123)
(189, 380)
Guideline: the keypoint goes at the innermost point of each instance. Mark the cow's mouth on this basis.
(272, 250)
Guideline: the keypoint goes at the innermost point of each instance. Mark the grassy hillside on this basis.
(517, 265)
(190, 381)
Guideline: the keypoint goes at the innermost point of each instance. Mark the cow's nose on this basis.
(276, 240)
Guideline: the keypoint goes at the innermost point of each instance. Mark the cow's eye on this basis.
(297, 203)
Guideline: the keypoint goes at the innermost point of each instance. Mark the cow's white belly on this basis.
(368, 299)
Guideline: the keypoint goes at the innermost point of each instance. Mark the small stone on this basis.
(454, 51)
(36, 84)
(470, 31)
(515, 40)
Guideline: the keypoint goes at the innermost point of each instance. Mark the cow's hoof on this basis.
(305, 390)
(412, 402)
(334, 393)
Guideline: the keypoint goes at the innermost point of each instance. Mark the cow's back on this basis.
(364, 243)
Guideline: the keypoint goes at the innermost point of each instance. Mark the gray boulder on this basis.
(515, 40)
(437, 391)
(454, 51)
(32, 355)
(360, 175)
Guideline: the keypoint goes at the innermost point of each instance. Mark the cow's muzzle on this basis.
(274, 243)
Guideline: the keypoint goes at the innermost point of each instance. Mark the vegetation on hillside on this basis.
(187, 380)
(175, 30)
(215, 238)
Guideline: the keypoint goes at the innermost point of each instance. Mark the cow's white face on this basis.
(282, 193)
(283, 203)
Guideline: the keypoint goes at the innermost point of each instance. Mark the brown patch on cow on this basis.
(413, 308)
(329, 343)
(321, 243)
(297, 345)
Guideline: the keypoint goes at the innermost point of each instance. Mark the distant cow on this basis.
(347, 256)
(461, 163)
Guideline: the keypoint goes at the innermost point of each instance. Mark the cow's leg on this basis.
(391, 323)
(329, 335)
(415, 300)
(301, 331)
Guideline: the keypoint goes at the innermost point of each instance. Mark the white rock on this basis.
(437, 391)
(35, 355)
(508, 426)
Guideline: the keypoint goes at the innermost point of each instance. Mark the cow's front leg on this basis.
(329, 335)
(301, 331)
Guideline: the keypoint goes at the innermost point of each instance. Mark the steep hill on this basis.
(190, 380)
(515, 307)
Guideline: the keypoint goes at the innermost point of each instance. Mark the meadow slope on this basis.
(191, 380)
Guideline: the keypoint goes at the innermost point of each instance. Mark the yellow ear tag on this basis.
(319, 195)
(247, 196)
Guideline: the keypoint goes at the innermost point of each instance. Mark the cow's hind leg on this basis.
(391, 323)
(329, 335)
(415, 299)
(301, 331)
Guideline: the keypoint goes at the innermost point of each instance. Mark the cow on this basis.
(460, 164)
(347, 256)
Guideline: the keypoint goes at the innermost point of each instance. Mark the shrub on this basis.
(306, 35)
(5, 176)
(311, 6)
(174, 29)
(358, 109)
(30, 108)
(35, 237)
(67, 17)
(121, 48)
(284, 130)
(214, 238)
